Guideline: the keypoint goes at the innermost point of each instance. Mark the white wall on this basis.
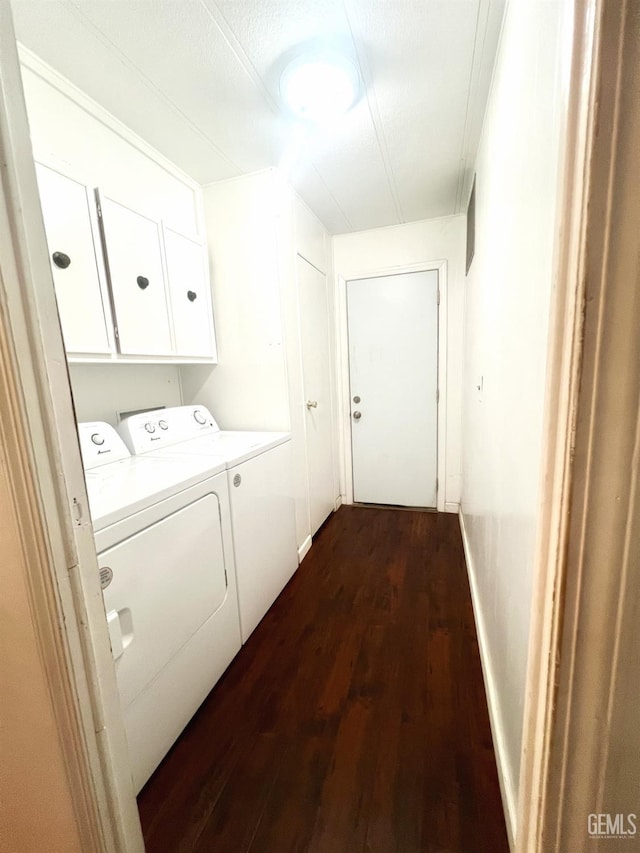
(248, 387)
(507, 305)
(255, 226)
(102, 391)
(367, 252)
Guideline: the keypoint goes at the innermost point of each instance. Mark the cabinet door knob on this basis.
(192, 295)
(143, 282)
(61, 260)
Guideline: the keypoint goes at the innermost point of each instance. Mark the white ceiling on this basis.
(198, 80)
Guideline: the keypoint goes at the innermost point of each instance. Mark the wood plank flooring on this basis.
(354, 719)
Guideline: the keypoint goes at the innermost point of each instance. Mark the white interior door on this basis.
(190, 295)
(137, 280)
(393, 374)
(67, 221)
(316, 369)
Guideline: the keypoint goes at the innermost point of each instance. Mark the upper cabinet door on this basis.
(190, 296)
(134, 259)
(67, 221)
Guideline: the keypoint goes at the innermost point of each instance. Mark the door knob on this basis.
(312, 404)
(357, 416)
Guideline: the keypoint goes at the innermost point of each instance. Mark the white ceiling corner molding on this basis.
(473, 80)
(488, 35)
(244, 60)
(125, 59)
(31, 61)
(374, 110)
(349, 226)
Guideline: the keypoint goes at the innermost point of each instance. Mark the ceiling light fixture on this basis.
(320, 89)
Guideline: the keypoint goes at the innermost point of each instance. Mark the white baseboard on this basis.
(507, 791)
(451, 506)
(338, 503)
(303, 550)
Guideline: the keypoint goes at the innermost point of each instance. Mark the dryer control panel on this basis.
(161, 428)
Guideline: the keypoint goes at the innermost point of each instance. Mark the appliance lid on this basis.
(130, 485)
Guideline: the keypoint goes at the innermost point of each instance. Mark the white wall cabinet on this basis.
(190, 295)
(67, 209)
(134, 261)
(130, 289)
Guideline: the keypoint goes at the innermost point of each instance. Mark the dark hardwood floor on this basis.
(353, 720)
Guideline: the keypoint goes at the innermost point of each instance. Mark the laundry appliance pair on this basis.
(195, 534)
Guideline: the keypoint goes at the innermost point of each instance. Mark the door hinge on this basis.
(116, 332)
(437, 485)
(99, 209)
(437, 395)
(438, 298)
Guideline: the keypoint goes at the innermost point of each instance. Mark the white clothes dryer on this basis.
(259, 468)
(164, 540)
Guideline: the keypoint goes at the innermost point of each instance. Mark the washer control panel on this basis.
(161, 428)
(100, 444)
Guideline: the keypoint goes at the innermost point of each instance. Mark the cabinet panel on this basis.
(67, 220)
(134, 256)
(190, 296)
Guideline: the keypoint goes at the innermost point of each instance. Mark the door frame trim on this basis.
(583, 640)
(49, 494)
(343, 392)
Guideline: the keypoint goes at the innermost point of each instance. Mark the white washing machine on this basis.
(259, 467)
(165, 549)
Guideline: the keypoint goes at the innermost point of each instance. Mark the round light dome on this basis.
(320, 89)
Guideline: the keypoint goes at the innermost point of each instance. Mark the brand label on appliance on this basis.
(106, 576)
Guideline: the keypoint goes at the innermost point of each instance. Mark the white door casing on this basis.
(316, 368)
(393, 372)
